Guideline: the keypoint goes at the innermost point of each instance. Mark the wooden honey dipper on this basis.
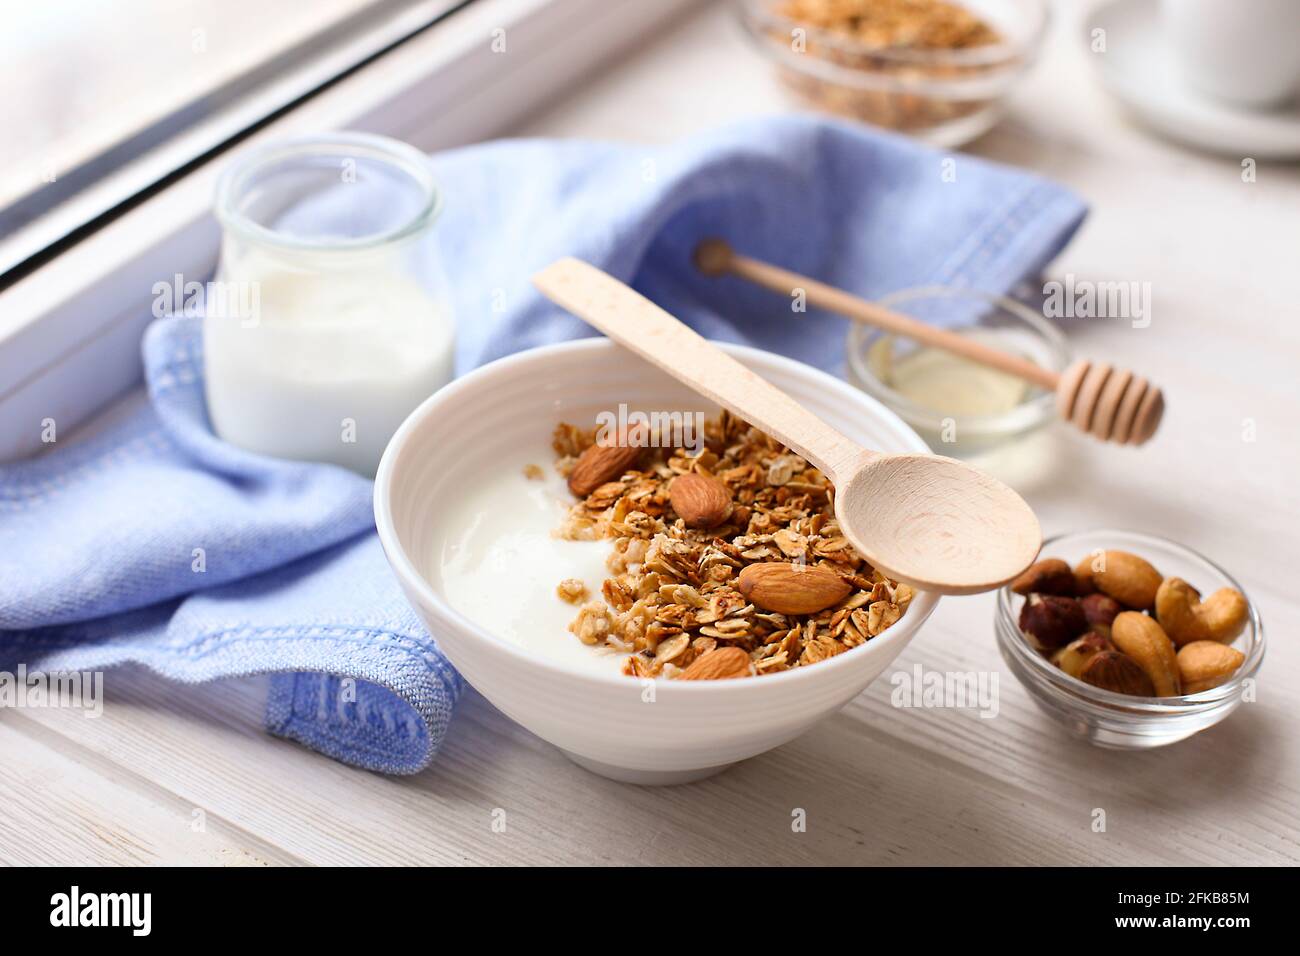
(1105, 402)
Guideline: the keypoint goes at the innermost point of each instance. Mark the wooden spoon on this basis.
(935, 523)
(1107, 403)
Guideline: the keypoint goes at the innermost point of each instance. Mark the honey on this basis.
(943, 382)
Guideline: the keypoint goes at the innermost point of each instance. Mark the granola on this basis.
(573, 590)
(675, 593)
(897, 24)
(900, 64)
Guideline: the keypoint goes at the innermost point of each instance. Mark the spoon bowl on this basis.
(935, 523)
(936, 513)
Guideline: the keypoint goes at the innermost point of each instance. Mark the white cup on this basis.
(1245, 52)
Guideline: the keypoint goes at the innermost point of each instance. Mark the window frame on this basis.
(70, 330)
(239, 104)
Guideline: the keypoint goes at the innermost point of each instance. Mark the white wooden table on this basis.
(183, 774)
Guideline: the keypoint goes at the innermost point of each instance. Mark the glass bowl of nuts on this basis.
(934, 69)
(1129, 640)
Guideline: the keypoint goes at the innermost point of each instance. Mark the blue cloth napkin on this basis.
(156, 543)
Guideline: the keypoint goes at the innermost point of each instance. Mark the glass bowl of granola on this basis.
(661, 606)
(936, 70)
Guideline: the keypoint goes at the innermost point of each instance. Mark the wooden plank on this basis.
(878, 785)
(63, 804)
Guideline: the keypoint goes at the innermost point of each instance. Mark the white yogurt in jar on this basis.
(329, 365)
(500, 563)
(341, 323)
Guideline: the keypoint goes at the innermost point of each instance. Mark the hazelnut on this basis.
(1073, 657)
(1100, 609)
(1048, 576)
(1051, 621)
(1111, 670)
(1083, 583)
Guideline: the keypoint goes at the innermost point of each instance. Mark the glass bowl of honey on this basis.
(959, 407)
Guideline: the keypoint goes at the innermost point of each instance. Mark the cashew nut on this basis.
(1186, 618)
(1142, 639)
(1130, 580)
(1206, 664)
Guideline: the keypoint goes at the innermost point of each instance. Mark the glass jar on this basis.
(333, 320)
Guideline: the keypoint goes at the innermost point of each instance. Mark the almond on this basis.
(604, 462)
(700, 501)
(792, 588)
(720, 663)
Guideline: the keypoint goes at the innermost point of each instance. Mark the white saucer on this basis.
(1138, 69)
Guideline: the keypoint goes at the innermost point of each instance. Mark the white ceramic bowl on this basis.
(676, 731)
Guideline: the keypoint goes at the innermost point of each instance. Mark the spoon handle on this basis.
(717, 257)
(641, 326)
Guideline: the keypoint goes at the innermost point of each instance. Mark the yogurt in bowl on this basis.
(483, 544)
(462, 526)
